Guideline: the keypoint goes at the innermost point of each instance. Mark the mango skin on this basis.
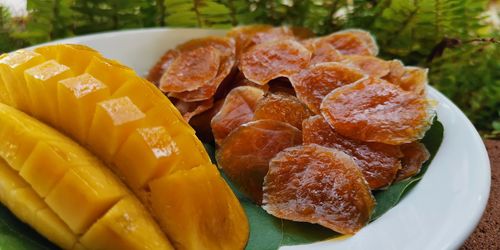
(106, 129)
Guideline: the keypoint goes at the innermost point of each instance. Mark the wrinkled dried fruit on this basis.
(191, 109)
(353, 42)
(314, 83)
(194, 70)
(238, 108)
(415, 154)
(282, 107)
(245, 153)
(248, 36)
(315, 184)
(274, 59)
(322, 51)
(414, 79)
(378, 162)
(161, 66)
(369, 65)
(373, 110)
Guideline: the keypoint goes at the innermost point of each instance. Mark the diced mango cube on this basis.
(43, 168)
(42, 85)
(9, 180)
(4, 93)
(186, 213)
(65, 54)
(52, 227)
(192, 153)
(114, 120)
(125, 226)
(12, 67)
(146, 154)
(135, 89)
(77, 99)
(83, 195)
(110, 72)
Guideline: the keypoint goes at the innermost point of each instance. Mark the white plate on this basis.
(439, 213)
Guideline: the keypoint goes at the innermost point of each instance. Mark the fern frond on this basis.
(197, 13)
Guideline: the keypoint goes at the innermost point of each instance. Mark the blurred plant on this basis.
(451, 37)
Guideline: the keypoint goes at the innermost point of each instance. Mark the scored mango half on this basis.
(70, 195)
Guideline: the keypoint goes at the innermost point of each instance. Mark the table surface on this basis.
(487, 233)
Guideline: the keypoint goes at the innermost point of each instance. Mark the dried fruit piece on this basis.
(373, 110)
(245, 154)
(248, 36)
(270, 60)
(196, 70)
(322, 51)
(314, 83)
(378, 162)
(415, 154)
(353, 42)
(201, 122)
(414, 79)
(282, 107)
(369, 65)
(315, 184)
(191, 109)
(238, 108)
(161, 66)
(191, 70)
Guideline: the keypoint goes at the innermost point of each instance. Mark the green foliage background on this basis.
(451, 37)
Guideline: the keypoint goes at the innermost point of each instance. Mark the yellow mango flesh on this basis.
(65, 54)
(85, 192)
(12, 67)
(41, 219)
(4, 93)
(42, 81)
(77, 98)
(186, 210)
(136, 130)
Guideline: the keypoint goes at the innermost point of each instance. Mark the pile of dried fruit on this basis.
(307, 127)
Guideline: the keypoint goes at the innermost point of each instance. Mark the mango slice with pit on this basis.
(137, 133)
(66, 185)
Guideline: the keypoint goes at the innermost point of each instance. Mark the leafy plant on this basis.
(417, 31)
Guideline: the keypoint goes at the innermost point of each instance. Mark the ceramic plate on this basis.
(439, 213)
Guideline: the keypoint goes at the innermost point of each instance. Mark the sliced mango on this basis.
(132, 127)
(65, 184)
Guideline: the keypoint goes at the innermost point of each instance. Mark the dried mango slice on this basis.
(414, 79)
(369, 65)
(376, 111)
(353, 42)
(248, 36)
(274, 59)
(322, 51)
(191, 109)
(238, 108)
(245, 153)
(315, 184)
(314, 83)
(282, 107)
(157, 71)
(198, 69)
(191, 70)
(415, 154)
(378, 162)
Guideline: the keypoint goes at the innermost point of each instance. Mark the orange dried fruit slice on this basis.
(157, 71)
(245, 153)
(282, 107)
(369, 65)
(238, 108)
(191, 70)
(414, 79)
(250, 35)
(191, 109)
(270, 60)
(322, 51)
(374, 110)
(353, 42)
(415, 154)
(314, 83)
(315, 184)
(194, 70)
(378, 162)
